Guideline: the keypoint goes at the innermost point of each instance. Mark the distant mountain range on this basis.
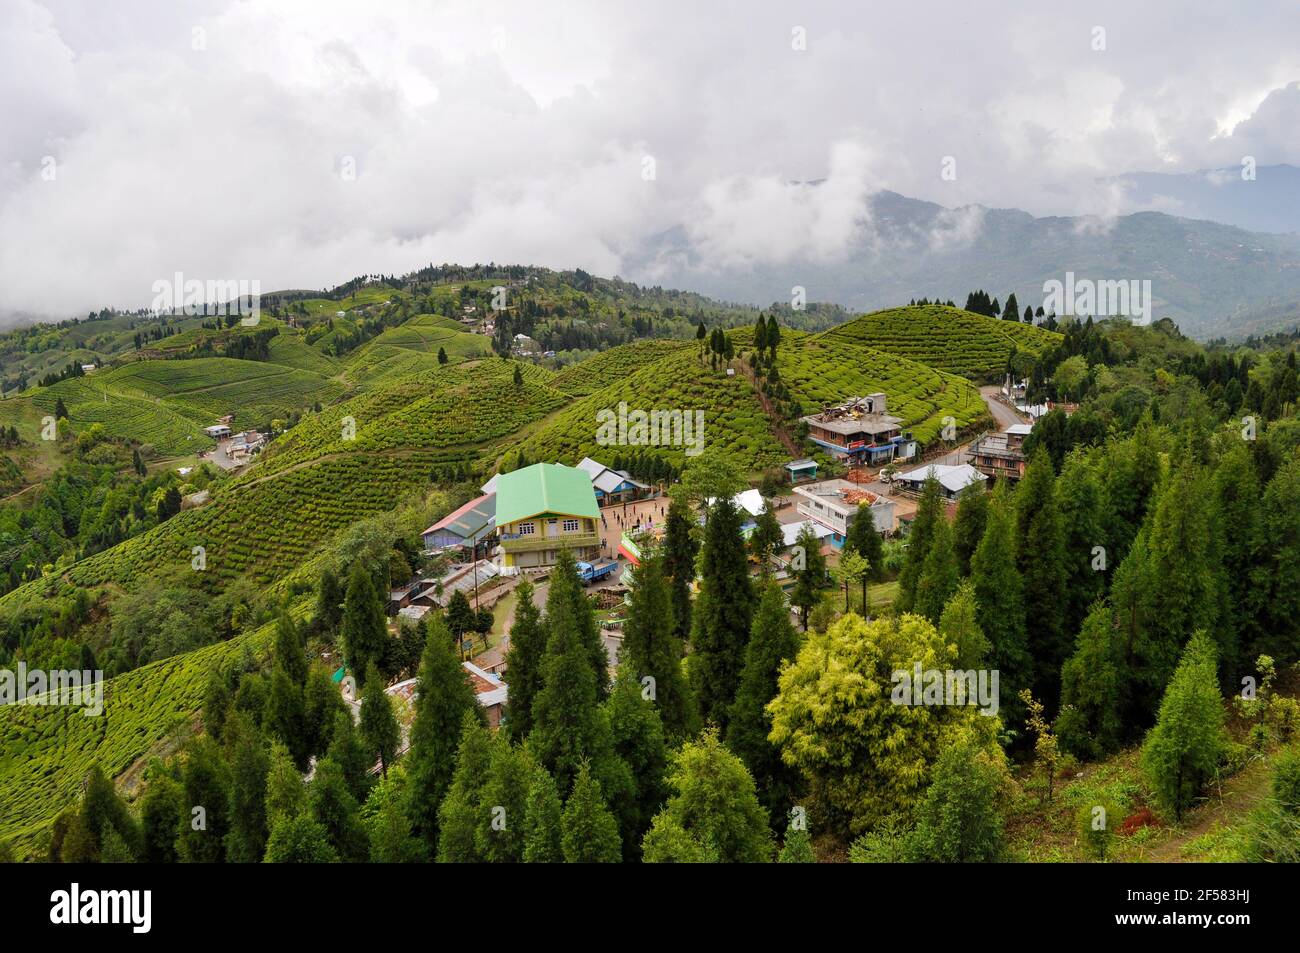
(1213, 279)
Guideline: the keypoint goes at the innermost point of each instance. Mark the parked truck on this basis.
(595, 572)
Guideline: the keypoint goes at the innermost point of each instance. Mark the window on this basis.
(570, 526)
(527, 529)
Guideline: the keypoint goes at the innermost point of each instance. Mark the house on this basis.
(834, 504)
(463, 577)
(612, 486)
(217, 431)
(952, 479)
(860, 432)
(801, 471)
(471, 528)
(245, 444)
(1001, 454)
(541, 510)
(491, 692)
(749, 504)
(87, 368)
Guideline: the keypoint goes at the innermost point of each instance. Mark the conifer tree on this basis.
(1041, 561)
(364, 631)
(380, 734)
(1184, 748)
(285, 716)
(524, 661)
(588, 831)
(161, 811)
(1090, 721)
(722, 613)
(928, 513)
(285, 792)
(249, 764)
(766, 539)
(772, 642)
(444, 697)
(502, 825)
(542, 820)
(960, 819)
(464, 808)
(968, 528)
(862, 538)
(959, 626)
(797, 848)
(1000, 598)
(940, 574)
(1082, 517)
(679, 564)
(566, 600)
(333, 806)
(206, 780)
(809, 574)
(637, 735)
(289, 650)
(299, 839)
(651, 648)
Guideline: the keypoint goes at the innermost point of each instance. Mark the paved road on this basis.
(1004, 415)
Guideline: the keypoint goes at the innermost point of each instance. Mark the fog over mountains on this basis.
(1213, 279)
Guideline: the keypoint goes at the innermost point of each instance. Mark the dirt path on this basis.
(1004, 415)
(1237, 797)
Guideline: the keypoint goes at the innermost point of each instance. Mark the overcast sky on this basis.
(216, 137)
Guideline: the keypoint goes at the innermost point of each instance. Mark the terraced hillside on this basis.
(821, 371)
(46, 752)
(949, 339)
(412, 348)
(609, 367)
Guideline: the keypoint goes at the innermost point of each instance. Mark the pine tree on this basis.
(809, 574)
(1080, 505)
(502, 826)
(588, 831)
(289, 649)
(1089, 724)
(161, 813)
(960, 819)
(524, 661)
(999, 596)
(959, 626)
(940, 574)
(797, 848)
(766, 539)
(463, 809)
(285, 792)
(1041, 561)
(1280, 572)
(364, 631)
(968, 528)
(567, 601)
(928, 513)
(444, 696)
(299, 839)
(380, 734)
(679, 564)
(1184, 748)
(772, 642)
(862, 538)
(136, 463)
(285, 716)
(442, 355)
(722, 614)
(651, 648)
(637, 735)
(329, 601)
(542, 820)
(206, 780)
(249, 765)
(333, 806)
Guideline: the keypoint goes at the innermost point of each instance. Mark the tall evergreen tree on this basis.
(722, 614)
(679, 564)
(1184, 748)
(380, 734)
(289, 650)
(1080, 505)
(502, 827)
(1041, 561)
(1280, 573)
(364, 630)
(567, 601)
(524, 661)
(809, 573)
(968, 528)
(444, 696)
(772, 641)
(940, 575)
(464, 808)
(1000, 597)
(652, 650)
(1090, 722)
(542, 820)
(928, 512)
(249, 765)
(863, 538)
(588, 830)
(206, 780)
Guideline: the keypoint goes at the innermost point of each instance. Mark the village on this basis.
(521, 520)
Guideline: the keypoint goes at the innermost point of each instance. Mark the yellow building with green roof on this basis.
(543, 509)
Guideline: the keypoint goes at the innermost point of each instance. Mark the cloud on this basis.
(211, 137)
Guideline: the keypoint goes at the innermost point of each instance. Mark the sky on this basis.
(300, 144)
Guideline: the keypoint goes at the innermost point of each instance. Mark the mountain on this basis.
(1212, 279)
(1269, 202)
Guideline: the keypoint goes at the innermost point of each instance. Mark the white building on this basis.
(834, 504)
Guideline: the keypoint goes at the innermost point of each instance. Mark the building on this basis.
(801, 471)
(749, 504)
(244, 445)
(491, 692)
(465, 577)
(612, 486)
(952, 479)
(217, 431)
(860, 432)
(541, 510)
(834, 504)
(471, 528)
(1001, 454)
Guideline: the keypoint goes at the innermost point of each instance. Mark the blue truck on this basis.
(595, 572)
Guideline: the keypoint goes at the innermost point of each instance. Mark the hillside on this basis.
(950, 339)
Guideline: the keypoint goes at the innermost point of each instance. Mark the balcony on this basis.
(532, 542)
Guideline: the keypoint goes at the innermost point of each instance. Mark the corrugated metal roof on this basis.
(544, 488)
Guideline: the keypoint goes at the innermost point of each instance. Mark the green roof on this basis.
(544, 488)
